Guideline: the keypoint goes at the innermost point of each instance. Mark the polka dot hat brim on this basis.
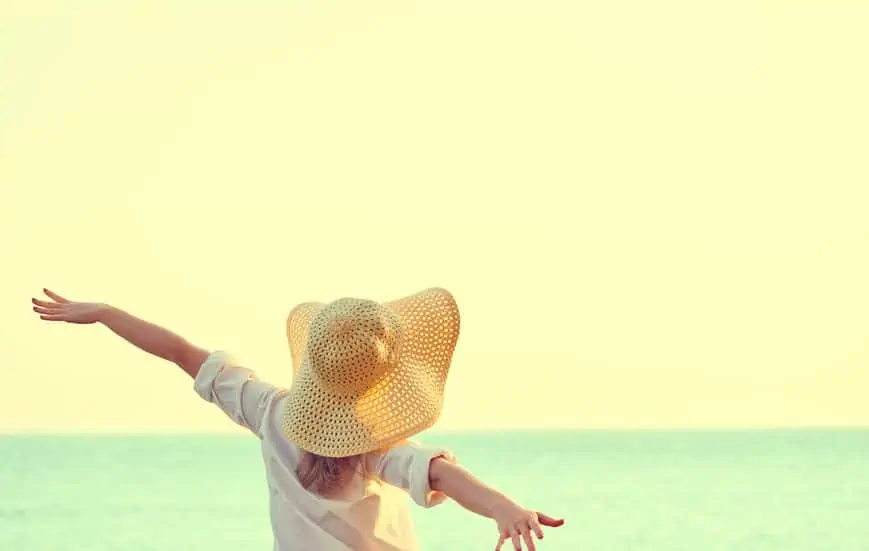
(365, 374)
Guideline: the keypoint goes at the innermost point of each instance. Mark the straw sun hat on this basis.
(366, 374)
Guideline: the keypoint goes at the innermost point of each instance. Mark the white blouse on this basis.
(372, 516)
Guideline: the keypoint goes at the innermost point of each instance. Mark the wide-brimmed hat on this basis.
(368, 374)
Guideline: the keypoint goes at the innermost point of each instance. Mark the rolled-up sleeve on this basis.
(406, 465)
(234, 389)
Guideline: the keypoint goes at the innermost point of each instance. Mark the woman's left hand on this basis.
(69, 311)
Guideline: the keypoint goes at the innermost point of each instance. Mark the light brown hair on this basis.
(328, 476)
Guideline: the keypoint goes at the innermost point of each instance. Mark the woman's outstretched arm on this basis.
(145, 335)
(514, 522)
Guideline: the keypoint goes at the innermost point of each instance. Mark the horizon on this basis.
(240, 432)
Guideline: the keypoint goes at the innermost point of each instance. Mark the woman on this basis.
(367, 376)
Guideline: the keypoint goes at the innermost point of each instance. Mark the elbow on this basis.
(188, 357)
(437, 469)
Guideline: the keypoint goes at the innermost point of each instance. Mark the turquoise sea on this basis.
(787, 490)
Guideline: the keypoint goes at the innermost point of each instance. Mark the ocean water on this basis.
(658, 490)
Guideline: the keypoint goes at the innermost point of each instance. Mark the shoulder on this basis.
(272, 431)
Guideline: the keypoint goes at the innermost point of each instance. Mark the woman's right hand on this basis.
(62, 309)
(519, 524)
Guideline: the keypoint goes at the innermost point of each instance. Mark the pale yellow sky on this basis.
(653, 214)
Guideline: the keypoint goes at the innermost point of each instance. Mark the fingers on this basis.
(510, 534)
(514, 535)
(546, 520)
(55, 296)
(50, 311)
(526, 535)
(524, 529)
(45, 304)
(52, 318)
(535, 527)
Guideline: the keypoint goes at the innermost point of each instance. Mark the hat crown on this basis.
(352, 344)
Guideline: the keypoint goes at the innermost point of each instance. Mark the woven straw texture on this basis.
(365, 374)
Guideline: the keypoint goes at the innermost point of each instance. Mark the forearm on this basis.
(145, 335)
(465, 489)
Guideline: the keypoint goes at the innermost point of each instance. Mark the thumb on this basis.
(546, 520)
